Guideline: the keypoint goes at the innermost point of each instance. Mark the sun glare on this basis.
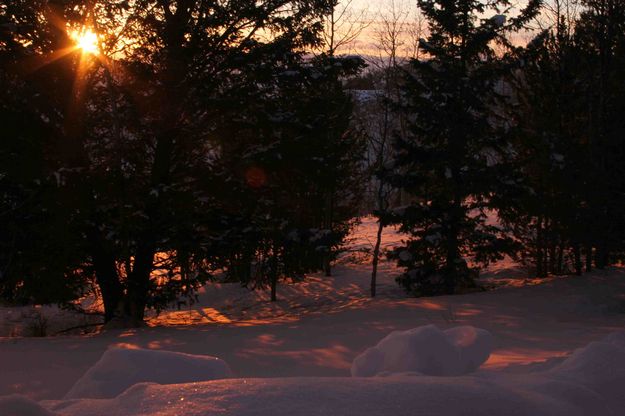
(86, 40)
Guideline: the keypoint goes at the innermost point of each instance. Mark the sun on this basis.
(86, 40)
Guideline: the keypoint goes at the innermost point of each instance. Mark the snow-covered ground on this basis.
(295, 356)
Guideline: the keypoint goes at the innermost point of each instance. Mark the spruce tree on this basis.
(198, 66)
(295, 161)
(141, 125)
(39, 247)
(600, 38)
(569, 146)
(451, 161)
(545, 209)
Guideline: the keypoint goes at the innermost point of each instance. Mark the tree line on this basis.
(532, 136)
(212, 137)
(204, 137)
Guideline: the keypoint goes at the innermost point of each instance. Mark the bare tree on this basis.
(560, 15)
(396, 40)
(343, 26)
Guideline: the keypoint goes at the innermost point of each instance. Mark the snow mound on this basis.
(119, 369)
(600, 367)
(426, 350)
(15, 405)
(589, 382)
(616, 338)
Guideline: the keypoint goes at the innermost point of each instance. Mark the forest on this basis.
(221, 206)
(204, 138)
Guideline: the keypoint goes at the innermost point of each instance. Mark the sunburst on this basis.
(87, 41)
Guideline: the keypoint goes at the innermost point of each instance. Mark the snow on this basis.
(405, 255)
(581, 385)
(401, 396)
(426, 350)
(16, 321)
(600, 367)
(474, 346)
(365, 96)
(568, 389)
(499, 20)
(120, 368)
(551, 351)
(15, 405)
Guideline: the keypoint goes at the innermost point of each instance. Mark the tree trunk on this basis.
(107, 277)
(329, 225)
(602, 256)
(578, 258)
(453, 255)
(110, 286)
(139, 280)
(327, 267)
(273, 270)
(540, 261)
(376, 258)
(589, 258)
(274, 287)
(552, 257)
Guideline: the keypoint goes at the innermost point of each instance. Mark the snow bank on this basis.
(337, 396)
(15, 405)
(589, 382)
(426, 350)
(600, 367)
(120, 368)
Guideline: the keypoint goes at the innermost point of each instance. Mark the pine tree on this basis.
(451, 161)
(545, 209)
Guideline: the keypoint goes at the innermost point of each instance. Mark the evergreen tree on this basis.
(451, 161)
(141, 127)
(544, 210)
(570, 139)
(195, 64)
(39, 255)
(600, 37)
(296, 163)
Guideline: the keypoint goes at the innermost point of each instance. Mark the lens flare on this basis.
(87, 41)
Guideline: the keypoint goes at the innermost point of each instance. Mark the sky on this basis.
(371, 13)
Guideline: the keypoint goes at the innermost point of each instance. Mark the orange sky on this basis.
(374, 13)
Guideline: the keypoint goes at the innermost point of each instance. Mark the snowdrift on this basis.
(15, 405)
(397, 396)
(120, 368)
(589, 382)
(600, 367)
(426, 351)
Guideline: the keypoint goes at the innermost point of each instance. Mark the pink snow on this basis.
(295, 356)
